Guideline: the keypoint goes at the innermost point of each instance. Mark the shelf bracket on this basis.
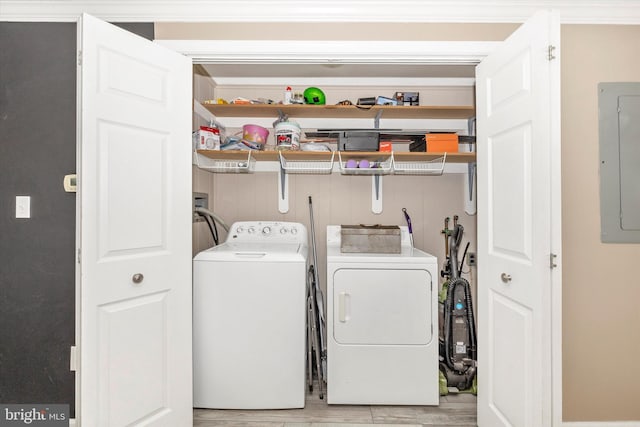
(376, 194)
(470, 206)
(469, 194)
(282, 117)
(471, 126)
(283, 190)
(376, 120)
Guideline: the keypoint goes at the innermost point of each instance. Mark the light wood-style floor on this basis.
(454, 410)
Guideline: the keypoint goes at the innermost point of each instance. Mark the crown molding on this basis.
(454, 11)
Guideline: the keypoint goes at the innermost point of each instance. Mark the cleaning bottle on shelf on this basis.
(287, 95)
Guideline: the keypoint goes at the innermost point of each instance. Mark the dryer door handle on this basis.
(343, 301)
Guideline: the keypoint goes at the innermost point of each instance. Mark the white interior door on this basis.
(517, 87)
(134, 184)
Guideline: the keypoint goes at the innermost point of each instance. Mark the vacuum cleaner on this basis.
(457, 336)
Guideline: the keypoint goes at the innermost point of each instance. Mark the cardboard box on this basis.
(206, 138)
(385, 146)
(442, 142)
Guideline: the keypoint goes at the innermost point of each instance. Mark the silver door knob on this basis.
(506, 278)
(137, 278)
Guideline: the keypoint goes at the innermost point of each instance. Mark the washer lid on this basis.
(254, 251)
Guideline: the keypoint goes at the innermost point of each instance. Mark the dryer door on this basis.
(382, 306)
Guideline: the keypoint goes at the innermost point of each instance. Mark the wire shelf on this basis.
(378, 163)
(307, 166)
(431, 167)
(237, 163)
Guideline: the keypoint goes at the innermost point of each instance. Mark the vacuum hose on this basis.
(448, 308)
(473, 350)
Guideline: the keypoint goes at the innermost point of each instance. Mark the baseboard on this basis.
(601, 424)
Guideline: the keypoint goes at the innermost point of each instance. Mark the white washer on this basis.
(382, 323)
(249, 318)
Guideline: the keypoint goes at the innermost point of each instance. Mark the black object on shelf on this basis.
(358, 141)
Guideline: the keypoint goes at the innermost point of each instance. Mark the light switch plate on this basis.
(23, 206)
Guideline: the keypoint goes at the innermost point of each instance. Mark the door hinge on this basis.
(552, 261)
(79, 57)
(73, 359)
(79, 255)
(550, 52)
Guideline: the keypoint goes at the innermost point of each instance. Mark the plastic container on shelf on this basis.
(287, 135)
(254, 136)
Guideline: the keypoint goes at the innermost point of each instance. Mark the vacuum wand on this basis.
(408, 219)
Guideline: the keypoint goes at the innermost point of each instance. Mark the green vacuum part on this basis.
(442, 295)
(442, 384)
(444, 389)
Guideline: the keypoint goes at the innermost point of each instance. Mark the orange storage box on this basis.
(442, 142)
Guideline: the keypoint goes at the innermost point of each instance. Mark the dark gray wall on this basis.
(38, 144)
(37, 270)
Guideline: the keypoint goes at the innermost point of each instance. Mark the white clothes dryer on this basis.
(249, 318)
(382, 323)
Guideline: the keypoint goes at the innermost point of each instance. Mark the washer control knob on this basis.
(251, 230)
(283, 230)
(294, 230)
(266, 230)
(240, 230)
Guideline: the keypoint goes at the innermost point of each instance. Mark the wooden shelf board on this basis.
(341, 111)
(425, 157)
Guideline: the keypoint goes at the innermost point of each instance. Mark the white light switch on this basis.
(23, 206)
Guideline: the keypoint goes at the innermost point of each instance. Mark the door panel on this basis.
(126, 75)
(509, 83)
(515, 95)
(129, 331)
(511, 187)
(134, 189)
(380, 307)
(120, 148)
(510, 359)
